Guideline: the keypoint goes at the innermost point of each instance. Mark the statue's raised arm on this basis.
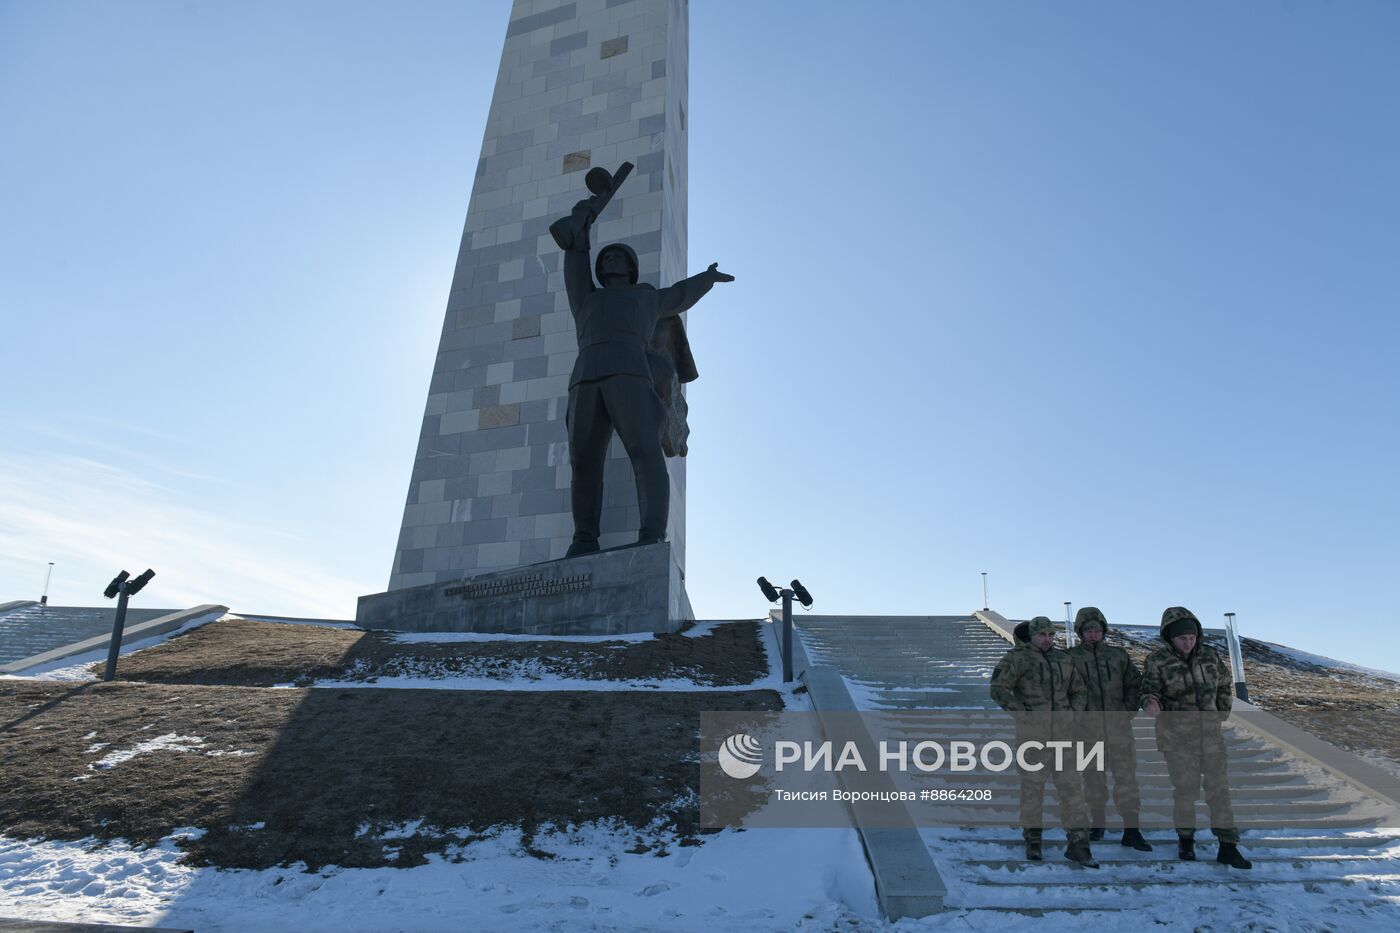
(571, 233)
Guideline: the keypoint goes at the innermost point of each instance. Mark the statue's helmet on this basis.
(627, 251)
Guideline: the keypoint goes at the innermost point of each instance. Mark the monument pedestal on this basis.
(636, 589)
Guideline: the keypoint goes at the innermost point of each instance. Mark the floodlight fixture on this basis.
(115, 586)
(135, 586)
(786, 594)
(803, 597)
(123, 586)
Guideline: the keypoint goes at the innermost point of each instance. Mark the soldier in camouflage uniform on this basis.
(1188, 688)
(1112, 681)
(1021, 635)
(1039, 678)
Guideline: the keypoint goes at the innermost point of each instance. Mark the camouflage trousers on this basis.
(1120, 760)
(1196, 761)
(1067, 791)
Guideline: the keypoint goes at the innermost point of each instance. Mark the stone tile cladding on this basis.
(582, 83)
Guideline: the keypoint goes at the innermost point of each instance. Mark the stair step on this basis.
(1157, 856)
(1153, 778)
(1090, 910)
(1157, 799)
(1223, 878)
(1155, 765)
(1248, 842)
(1295, 825)
(1247, 815)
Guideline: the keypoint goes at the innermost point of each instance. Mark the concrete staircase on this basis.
(1308, 832)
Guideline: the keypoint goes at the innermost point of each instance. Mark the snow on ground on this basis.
(526, 677)
(1317, 660)
(761, 879)
(170, 742)
(1378, 760)
(530, 674)
(754, 880)
(1150, 637)
(1292, 890)
(1290, 903)
(697, 630)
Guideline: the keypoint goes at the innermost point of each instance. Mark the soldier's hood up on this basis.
(631, 254)
(1176, 614)
(1086, 615)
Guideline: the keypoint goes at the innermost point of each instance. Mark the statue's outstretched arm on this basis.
(685, 293)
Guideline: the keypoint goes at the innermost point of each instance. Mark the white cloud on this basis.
(93, 519)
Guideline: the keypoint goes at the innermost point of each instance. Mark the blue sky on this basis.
(1097, 297)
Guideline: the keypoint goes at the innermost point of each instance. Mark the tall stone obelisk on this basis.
(582, 83)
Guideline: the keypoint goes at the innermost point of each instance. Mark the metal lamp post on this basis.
(1232, 641)
(44, 599)
(124, 588)
(786, 594)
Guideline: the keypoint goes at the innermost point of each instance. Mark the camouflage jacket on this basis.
(996, 671)
(1199, 683)
(1029, 680)
(1110, 676)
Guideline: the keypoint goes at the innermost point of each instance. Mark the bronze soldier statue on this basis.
(630, 344)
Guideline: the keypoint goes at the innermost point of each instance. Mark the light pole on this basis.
(786, 594)
(1069, 628)
(124, 588)
(985, 604)
(1232, 641)
(44, 599)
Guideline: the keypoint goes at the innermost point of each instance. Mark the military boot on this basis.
(1186, 848)
(1231, 855)
(1033, 850)
(1079, 854)
(1132, 838)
